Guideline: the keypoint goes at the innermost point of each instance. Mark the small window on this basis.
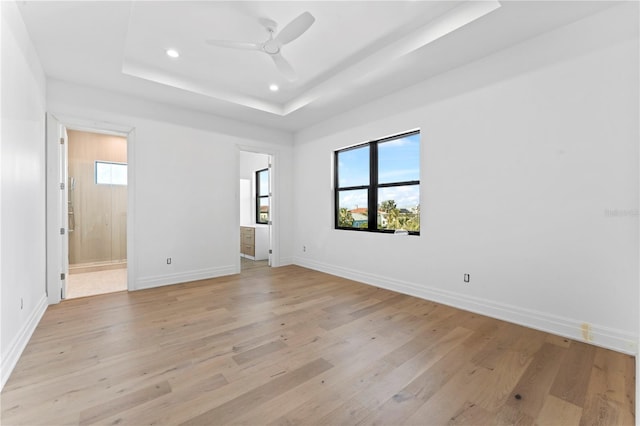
(262, 196)
(377, 185)
(109, 173)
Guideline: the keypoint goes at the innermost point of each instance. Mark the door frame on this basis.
(274, 228)
(55, 126)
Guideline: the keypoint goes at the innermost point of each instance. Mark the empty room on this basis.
(320, 212)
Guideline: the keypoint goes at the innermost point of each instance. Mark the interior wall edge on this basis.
(20, 341)
(618, 340)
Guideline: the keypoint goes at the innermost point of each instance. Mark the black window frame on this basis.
(258, 197)
(372, 187)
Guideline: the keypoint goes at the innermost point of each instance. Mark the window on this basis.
(377, 185)
(109, 173)
(262, 196)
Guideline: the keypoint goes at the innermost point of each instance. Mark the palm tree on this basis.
(345, 218)
(413, 222)
(391, 209)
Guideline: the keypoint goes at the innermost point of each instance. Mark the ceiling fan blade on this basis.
(284, 67)
(235, 44)
(295, 28)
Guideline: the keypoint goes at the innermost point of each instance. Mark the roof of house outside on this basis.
(360, 210)
(359, 217)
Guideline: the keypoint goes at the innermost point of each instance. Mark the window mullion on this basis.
(373, 187)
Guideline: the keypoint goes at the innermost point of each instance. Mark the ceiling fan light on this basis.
(172, 53)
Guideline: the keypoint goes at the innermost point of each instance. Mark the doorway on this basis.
(97, 213)
(255, 210)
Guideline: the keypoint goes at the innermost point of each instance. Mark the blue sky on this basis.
(398, 160)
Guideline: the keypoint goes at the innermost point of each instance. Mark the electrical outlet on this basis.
(21, 303)
(168, 261)
(467, 278)
(304, 248)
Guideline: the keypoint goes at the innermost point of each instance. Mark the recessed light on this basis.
(274, 88)
(172, 53)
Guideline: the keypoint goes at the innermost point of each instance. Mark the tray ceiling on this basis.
(354, 52)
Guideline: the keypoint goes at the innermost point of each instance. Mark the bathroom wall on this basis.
(99, 216)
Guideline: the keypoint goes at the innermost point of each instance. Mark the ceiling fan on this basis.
(273, 45)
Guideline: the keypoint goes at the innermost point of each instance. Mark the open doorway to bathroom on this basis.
(255, 210)
(97, 213)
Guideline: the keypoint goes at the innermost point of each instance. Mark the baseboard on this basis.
(284, 261)
(83, 268)
(20, 341)
(182, 277)
(617, 340)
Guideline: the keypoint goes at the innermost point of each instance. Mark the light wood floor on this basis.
(246, 264)
(293, 346)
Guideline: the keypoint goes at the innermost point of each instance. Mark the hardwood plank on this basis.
(466, 384)
(258, 352)
(260, 395)
(315, 398)
(293, 346)
(360, 362)
(498, 388)
(563, 342)
(571, 382)
(558, 412)
(407, 400)
(606, 394)
(386, 385)
(533, 386)
(102, 411)
(471, 414)
(171, 402)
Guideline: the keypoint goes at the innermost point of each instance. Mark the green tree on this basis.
(345, 218)
(413, 219)
(391, 209)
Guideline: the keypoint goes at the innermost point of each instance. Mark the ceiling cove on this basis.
(344, 48)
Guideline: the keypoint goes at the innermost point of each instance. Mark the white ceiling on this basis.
(354, 52)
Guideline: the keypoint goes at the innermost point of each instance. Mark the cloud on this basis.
(351, 199)
(404, 196)
(399, 175)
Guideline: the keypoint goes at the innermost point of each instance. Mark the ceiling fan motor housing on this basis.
(272, 47)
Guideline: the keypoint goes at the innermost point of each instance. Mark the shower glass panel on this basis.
(97, 199)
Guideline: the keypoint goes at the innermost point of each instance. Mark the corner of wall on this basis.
(617, 340)
(19, 343)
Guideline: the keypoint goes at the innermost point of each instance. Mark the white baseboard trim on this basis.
(617, 340)
(20, 341)
(284, 261)
(182, 277)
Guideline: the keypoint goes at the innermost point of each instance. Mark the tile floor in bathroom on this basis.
(101, 282)
(92, 283)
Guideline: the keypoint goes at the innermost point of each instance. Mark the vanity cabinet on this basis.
(254, 242)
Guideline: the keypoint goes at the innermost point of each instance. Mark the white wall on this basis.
(525, 154)
(250, 162)
(186, 167)
(22, 209)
